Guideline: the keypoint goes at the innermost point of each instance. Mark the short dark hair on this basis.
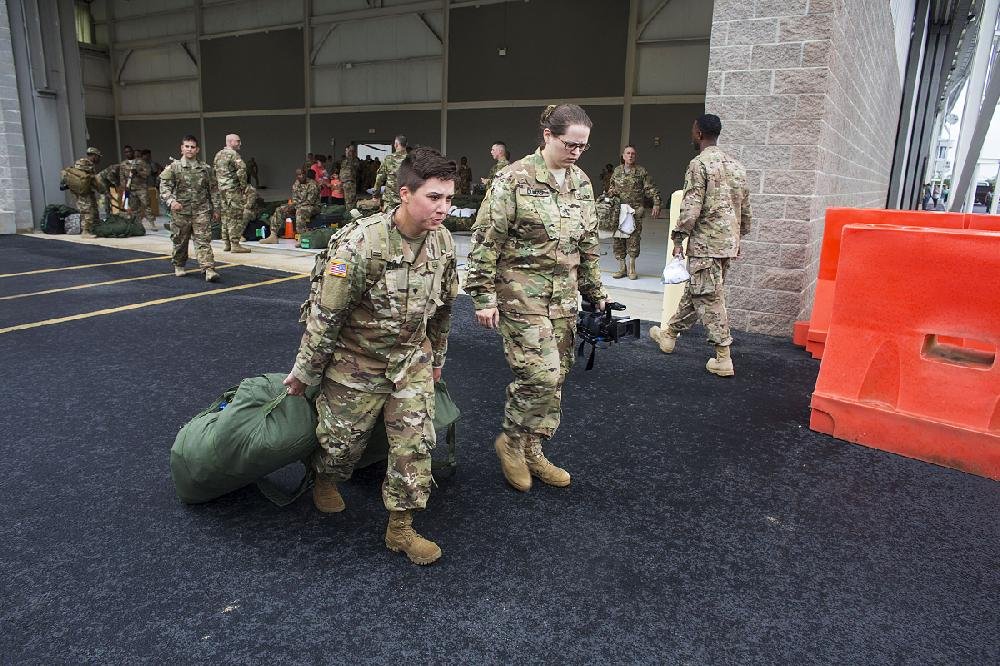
(190, 137)
(401, 140)
(307, 170)
(423, 164)
(557, 118)
(710, 125)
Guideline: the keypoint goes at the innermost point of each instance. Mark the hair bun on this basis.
(548, 111)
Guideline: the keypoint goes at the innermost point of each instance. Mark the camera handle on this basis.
(593, 353)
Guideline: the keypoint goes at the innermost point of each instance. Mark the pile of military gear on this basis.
(54, 218)
(255, 429)
(462, 214)
(116, 226)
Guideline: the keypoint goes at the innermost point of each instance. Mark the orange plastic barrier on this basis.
(889, 377)
(812, 334)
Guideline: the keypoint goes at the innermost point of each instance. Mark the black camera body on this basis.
(597, 327)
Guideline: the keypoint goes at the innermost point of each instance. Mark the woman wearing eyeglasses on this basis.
(534, 251)
(632, 184)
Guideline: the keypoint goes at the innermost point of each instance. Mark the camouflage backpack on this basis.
(77, 180)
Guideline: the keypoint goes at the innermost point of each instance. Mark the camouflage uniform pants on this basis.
(630, 245)
(184, 226)
(350, 193)
(302, 216)
(87, 205)
(346, 418)
(705, 299)
(231, 216)
(539, 352)
(139, 205)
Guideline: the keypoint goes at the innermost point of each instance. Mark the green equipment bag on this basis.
(54, 218)
(250, 431)
(446, 416)
(317, 238)
(116, 226)
(78, 181)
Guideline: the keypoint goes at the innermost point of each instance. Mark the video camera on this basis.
(596, 327)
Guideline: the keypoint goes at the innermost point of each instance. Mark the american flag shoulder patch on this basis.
(338, 268)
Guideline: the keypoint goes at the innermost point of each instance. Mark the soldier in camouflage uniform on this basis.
(187, 186)
(231, 176)
(498, 151)
(715, 214)
(87, 203)
(387, 175)
(534, 251)
(464, 176)
(305, 204)
(632, 185)
(349, 176)
(377, 324)
(132, 176)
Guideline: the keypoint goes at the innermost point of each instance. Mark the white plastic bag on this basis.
(626, 221)
(675, 271)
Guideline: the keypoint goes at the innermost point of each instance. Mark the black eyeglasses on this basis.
(572, 145)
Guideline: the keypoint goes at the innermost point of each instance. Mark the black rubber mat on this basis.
(705, 523)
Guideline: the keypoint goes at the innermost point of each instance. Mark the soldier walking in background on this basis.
(374, 360)
(715, 214)
(187, 187)
(132, 174)
(231, 177)
(305, 204)
(349, 176)
(464, 177)
(387, 175)
(498, 151)
(631, 183)
(84, 189)
(141, 189)
(534, 251)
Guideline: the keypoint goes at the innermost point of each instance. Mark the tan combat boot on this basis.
(539, 465)
(515, 469)
(400, 536)
(620, 273)
(226, 246)
(270, 240)
(239, 249)
(632, 275)
(664, 338)
(722, 364)
(326, 497)
(211, 275)
(179, 271)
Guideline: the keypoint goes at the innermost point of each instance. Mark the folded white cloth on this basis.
(626, 222)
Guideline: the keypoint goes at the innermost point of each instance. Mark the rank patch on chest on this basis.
(338, 268)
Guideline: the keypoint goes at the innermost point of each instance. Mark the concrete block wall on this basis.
(15, 199)
(808, 92)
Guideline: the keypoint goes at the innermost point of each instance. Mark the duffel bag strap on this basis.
(279, 497)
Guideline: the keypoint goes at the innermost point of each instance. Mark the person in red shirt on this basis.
(336, 187)
(322, 179)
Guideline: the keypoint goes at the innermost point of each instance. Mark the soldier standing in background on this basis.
(86, 202)
(145, 197)
(231, 177)
(534, 251)
(371, 359)
(715, 215)
(349, 176)
(305, 204)
(387, 175)
(632, 185)
(498, 151)
(464, 177)
(187, 187)
(253, 174)
(131, 175)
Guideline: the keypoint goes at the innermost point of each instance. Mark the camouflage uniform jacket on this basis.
(494, 170)
(230, 171)
(632, 187)
(387, 176)
(349, 170)
(138, 169)
(305, 194)
(534, 243)
(715, 211)
(374, 307)
(190, 182)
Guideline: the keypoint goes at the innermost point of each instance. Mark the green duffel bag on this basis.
(116, 226)
(250, 431)
(446, 416)
(317, 238)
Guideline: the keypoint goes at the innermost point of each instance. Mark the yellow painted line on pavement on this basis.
(146, 304)
(98, 284)
(76, 268)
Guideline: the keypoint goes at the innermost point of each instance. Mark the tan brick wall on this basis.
(808, 92)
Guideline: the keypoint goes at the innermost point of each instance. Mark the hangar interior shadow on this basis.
(705, 524)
